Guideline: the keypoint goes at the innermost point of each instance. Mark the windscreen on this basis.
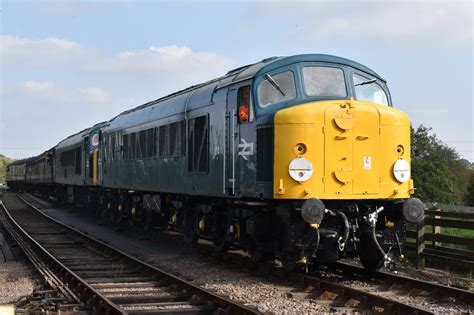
(324, 82)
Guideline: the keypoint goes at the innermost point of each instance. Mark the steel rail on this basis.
(102, 304)
(84, 291)
(51, 279)
(394, 281)
(327, 289)
(411, 284)
(436, 289)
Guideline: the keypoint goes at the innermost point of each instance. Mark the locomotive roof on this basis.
(196, 95)
(77, 137)
(200, 94)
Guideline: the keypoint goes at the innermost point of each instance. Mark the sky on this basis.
(66, 65)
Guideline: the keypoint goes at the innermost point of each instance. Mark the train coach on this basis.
(32, 173)
(301, 158)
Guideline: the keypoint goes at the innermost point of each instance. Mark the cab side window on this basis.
(367, 89)
(243, 105)
(276, 88)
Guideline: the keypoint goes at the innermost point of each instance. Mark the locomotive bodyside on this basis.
(298, 157)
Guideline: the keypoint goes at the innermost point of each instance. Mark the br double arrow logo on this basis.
(245, 149)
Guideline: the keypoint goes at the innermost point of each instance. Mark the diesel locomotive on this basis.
(302, 158)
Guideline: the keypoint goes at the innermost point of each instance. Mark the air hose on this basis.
(310, 241)
(380, 249)
(345, 234)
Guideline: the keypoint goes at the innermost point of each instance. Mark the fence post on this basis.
(436, 228)
(420, 244)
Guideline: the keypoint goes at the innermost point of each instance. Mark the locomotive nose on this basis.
(343, 150)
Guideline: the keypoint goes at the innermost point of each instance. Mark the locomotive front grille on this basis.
(265, 154)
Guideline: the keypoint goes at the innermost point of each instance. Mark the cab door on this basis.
(240, 174)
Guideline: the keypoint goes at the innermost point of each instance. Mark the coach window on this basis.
(276, 88)
(133, 146)
(198, 144)
(324, 82)
(367, 89)
(151, 148)
(113, 148)
(126, 147)
(141, 150)
(243, 101)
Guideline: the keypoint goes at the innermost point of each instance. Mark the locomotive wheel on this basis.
(220, 244)
(145, 221)
(98, 211)
(369, 256)
(371, 264)
(258, 253)
(114, 215)
(289, 260)
(219, 233)
(191, 236)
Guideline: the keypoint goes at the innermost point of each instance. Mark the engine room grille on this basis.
(265, 154)
(198, 145)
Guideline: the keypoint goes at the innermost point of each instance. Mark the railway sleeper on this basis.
(108, 273)
(169, 308)
(95, 280)
(134, 291)
(173, 296)
(130, 285)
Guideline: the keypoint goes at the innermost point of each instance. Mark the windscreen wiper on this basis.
(275, 85)
(366, 82)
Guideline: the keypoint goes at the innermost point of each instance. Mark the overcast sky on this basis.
(66, 65)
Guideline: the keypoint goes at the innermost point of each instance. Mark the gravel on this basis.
(17, 281)
(266, 294)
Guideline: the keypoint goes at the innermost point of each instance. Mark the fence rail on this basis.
(429, 241)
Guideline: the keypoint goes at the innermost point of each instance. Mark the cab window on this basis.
(243, 101)
(367, 89)
(276, 88)
(324, 81)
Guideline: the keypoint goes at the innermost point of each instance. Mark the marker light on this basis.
(401, 170)
(300, 169)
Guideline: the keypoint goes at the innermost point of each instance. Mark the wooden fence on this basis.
(429, 242)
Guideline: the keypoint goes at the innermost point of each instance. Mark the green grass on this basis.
(457, 232)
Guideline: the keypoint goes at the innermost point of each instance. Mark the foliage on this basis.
(439, 174)
(3, 166)
(470, 191)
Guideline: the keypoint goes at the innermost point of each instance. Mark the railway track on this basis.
(337, 287)
(411, 285)
(107, 280)
(332, 285)
(339, 294)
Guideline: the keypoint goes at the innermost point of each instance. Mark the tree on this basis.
(470, 191)
(439, 174)
(4, 161)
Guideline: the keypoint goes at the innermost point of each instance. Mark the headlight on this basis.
(401, 170)
(300, 169)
